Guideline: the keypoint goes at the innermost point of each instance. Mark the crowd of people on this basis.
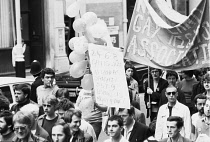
(178, 108)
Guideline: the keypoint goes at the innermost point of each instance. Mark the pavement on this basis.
(103, 135)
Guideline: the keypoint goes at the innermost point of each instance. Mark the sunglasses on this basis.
(173, 93)
(21, 128)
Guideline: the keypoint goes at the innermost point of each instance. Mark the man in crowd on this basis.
(174, 125)
(6, 126)
(133, 130)
(157, 84)
(35, 71)
(172, 108)
(73, 118)
(65, 105)
(200, 101)
(36, 129)
(4, 103)
(202, 125)
(48, 77)
(23, 122)
(172, 78)
(114, 128)
(22, 96)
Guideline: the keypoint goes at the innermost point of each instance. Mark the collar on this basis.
(180, 139)
(30, 138)
(175, 106)
(131, 128)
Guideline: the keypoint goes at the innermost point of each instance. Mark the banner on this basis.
(109, 78)
(152, 41)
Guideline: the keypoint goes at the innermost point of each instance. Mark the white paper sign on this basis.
(109, 78)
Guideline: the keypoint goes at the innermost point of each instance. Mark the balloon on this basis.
(98, 31)
(72, 41)
(79, 25)
(87, 82)
(90, 18)
(81, 45)
(73, 10)
(75, 57)
(78, 69)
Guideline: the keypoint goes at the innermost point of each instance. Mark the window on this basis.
(6, 92)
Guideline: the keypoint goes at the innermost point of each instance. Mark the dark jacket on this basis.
(81, 136)
(155, 96)
(38, 81)
(16, 107)
(164, 100)
(32, 138)
(139, 133)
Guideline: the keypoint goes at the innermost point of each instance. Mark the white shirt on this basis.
(177, 110)
(121, 140)
(87, 128)
(195, 117)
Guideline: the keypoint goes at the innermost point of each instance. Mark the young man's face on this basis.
(129, 72)
(48, 80)
(3, 125)
(58, 134)
(155, 74)
(172, 129)
(207, 108)
(19, 96)
(21, 130)
(61, 113)
(75, 123)
(171, 80)
(171, 94)
(48, 108)
(200, 105)
(127, 119)
(206, 84)
(114, 130)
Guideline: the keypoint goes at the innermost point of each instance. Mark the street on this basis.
(103, 136)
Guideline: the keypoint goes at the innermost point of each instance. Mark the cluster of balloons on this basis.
(93, 31)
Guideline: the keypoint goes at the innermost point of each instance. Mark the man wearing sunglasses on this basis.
(172, 108)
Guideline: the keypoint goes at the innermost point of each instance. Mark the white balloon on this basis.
(98, 31)
(81, 45)
(73, 10)
(75, 57)
(90, 18)
(72, 41)
(79, 25)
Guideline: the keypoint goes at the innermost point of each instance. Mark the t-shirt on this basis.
(121, 140)
(48, 124)
(42, 92)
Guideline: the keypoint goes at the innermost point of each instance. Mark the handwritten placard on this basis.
(109, 78)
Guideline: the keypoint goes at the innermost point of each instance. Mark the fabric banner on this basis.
(152, 41)
(109, 78)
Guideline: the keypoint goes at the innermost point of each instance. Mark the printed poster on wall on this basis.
(109, 78)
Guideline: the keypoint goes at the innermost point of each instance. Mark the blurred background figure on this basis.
(4, 103)
(35, 71)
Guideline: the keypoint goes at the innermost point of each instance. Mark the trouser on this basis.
(97, 128)
(153, 115)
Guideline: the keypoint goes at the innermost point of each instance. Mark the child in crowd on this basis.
(49, 118)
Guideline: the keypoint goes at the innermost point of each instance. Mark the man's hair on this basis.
(31, 108)
(66, 130)
(65, 104)
(130, 111)
(189, 73)
(52, 100)
(159, 70)
(62, 92)
(8, 116)
(4, 103)
(171, 73)
(117, 118)
(199, 96)
(25, 88)
(47, 71)
(70, 113)
(179, 121)
(129, 65)
(24, 118)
